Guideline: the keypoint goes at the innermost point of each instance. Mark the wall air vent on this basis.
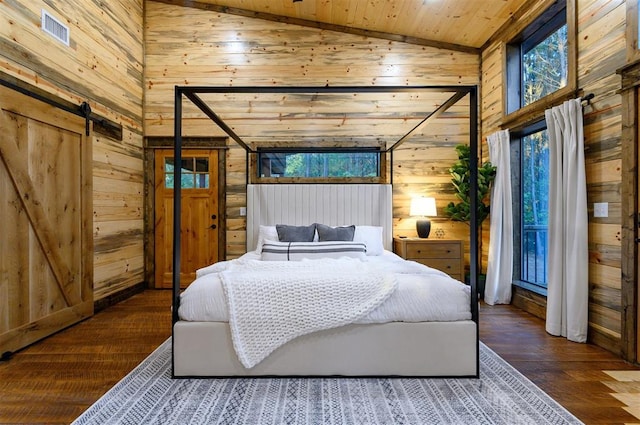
(55, 28)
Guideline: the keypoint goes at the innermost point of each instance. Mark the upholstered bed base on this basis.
(391, 349)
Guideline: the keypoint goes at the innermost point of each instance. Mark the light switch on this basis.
(243, 211)
(601, 209)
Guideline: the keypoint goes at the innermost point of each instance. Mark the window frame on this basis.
(195, 173)
(531, 113)
(380, 178)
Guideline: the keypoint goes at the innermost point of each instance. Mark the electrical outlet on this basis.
(601, 209)
(243, 211)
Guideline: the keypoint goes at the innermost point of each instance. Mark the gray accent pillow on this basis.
(328, 233)
(287, 233)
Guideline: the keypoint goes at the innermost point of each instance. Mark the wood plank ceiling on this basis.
(364, 119)
(465, 23)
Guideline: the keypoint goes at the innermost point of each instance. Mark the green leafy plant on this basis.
(461, 179)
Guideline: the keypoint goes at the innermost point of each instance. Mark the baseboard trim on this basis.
(119, 296)
(529, 301)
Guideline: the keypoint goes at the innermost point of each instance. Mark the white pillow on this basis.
(267, 233)
(372, 237)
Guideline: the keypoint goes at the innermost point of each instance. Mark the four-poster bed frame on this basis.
(198, 343)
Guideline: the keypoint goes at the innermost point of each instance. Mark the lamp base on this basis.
(423, 227)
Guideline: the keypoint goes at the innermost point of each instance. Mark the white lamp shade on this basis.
(423, 206)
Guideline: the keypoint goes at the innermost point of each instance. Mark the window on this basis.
(540, 72)
(538, 59)
(195, 173)
(325, 164)
(530, 169)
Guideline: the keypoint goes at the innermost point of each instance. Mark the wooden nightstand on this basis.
(441, 254)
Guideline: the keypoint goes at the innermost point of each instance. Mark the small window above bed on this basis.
(362, 165)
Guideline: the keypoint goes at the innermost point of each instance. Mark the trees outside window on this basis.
(538, 59)
(328, 164)
(544, 66)
(534, 214)
(537, 68)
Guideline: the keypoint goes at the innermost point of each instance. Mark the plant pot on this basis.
(482, 280)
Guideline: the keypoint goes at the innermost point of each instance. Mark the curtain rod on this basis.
(588, 98)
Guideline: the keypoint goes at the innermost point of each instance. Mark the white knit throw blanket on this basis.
(269, 307)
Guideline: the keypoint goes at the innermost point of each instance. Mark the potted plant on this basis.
(461, 180)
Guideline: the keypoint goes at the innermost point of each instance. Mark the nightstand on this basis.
(441, 254)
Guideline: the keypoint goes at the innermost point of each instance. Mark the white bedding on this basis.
(268, 308)
(422, 294)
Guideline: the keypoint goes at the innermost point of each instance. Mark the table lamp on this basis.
(423, 207)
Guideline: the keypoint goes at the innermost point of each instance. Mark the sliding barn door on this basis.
(46, 252)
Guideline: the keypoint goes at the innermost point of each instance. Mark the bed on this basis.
(203, 347)
(397, 345)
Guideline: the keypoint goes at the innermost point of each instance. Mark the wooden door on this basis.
(46, 251)
(199, 219)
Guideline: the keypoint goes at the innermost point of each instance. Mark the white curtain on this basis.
(568, 273)
(500, 266)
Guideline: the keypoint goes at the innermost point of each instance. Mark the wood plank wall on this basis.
(103, 65)
(190, 46)
(601, 51)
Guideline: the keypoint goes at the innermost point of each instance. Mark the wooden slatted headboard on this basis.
(330, 204)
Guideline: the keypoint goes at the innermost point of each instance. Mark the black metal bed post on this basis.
(177, 179)
(473, 195)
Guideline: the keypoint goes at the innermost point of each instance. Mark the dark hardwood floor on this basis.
(569, 372)
(55, 380)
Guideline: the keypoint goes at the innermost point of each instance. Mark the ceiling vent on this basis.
(55, 28)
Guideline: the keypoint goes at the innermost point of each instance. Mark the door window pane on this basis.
(202, 181)
(202, 165)
(194, 173)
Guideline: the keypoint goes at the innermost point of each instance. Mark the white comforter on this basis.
(422, 294)
(379, 289)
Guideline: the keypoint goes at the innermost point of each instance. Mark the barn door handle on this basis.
(213, 226)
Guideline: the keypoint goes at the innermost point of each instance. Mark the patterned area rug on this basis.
(148, 395)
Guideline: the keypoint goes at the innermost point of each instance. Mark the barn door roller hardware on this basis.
(101, 125)
(85, 109)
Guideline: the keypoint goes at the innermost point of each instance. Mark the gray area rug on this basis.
(501, 395)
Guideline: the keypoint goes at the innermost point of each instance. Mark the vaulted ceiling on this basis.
(356, 118)
(466, 23)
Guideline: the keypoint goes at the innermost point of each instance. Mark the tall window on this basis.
(538, 59)
(539, 66)
(530, 157)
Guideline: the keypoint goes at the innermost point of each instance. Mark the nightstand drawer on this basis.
(451, 267)
(429, 250)
(445, 255)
